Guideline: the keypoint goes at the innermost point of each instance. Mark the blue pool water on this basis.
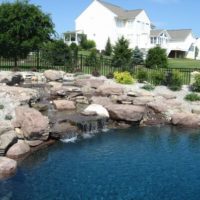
(136, 164)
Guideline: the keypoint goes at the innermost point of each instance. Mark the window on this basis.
(120, 23)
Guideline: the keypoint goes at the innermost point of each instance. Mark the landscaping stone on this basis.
(34, 125)
(128, 113)
(110, 89)
(8, 167)
(64, 105)
(98, 109)
(18, 150)
(7, 139)
(53, 75)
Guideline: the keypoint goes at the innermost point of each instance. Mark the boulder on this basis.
(128, 113)
(98, 109)
(8, 167)
(64, 105)
(53, 75)
(33, 124)
(186, 119)
(104, 101)
(62, 130)
(34, 143)
(7, 139)
(143, 100)
(18, 150)
(110, 89)
(16, 79)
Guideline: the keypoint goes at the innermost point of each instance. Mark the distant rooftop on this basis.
(156, 32)
(180, 34)
(120, 12)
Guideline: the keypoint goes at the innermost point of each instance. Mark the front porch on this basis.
(177, 54)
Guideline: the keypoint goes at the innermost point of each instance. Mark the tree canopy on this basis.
(23, 28)
(157, 58)
(137, 56)
(108, 48)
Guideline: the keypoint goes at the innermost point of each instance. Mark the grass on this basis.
(184, 63)
(192, 97)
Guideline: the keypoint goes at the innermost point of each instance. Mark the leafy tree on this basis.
(137, 57)
(157, 58)
(92, 60)
(108, 48)
(196, 52)
(122, 54)
(56, 52)
(24, 28)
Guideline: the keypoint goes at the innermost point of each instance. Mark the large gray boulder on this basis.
(97, 109)
(33, 124)
(53, 75)
(7, 139)
(7, 167)
(18, 150)
(128, 113)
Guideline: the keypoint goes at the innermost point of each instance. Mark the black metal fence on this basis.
(87, 65)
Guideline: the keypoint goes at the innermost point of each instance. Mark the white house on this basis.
(102, 20)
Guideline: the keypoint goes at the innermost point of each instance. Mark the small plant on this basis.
(123, 77)
(196, 85)
(8, 117)
(174, 80)
(192, 97)
(158, 77)
(148, 87)
(1, 107)
(110, 75)
(142, 75)
(96, 73)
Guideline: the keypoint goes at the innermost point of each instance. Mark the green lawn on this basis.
(184, 63)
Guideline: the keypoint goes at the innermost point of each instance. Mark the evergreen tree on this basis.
(196, 52)
(137, 57)
(108, 48)
(122, 54)
(157, 58)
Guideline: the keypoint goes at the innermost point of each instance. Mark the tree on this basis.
(122, 54)
(108, 48)
(24, 28)
(137, 56)
(196, 52)
(157, 58)
(56, 52)
(87, 44)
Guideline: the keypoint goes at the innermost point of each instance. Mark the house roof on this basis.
(180, 34)
(120, 12)
(156, 32)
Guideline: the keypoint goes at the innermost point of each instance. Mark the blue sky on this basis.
(167, 14)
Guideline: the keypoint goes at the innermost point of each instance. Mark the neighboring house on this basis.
(198, 46)
(181, 44)
(102, 20)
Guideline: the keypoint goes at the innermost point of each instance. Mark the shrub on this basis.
(174, 80)
(92, 60)
(192, 97)
(157, 58)
(137, 56)
(110, 75)
(8, 117)
(1, 107)
(96, 73)
(158, 77)
(142, 75)
(123, 77)
(148, 87)
(196, 85)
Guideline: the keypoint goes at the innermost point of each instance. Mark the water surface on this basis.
(148, 163)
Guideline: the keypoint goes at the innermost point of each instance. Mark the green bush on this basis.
(192, 97)
(157, 58)
(8, 117)
(158, 77)
(142, 75)
(110, 75)
(123, 77)
(174, 80)
(148, 87)
(196, 84)
(1, 107)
